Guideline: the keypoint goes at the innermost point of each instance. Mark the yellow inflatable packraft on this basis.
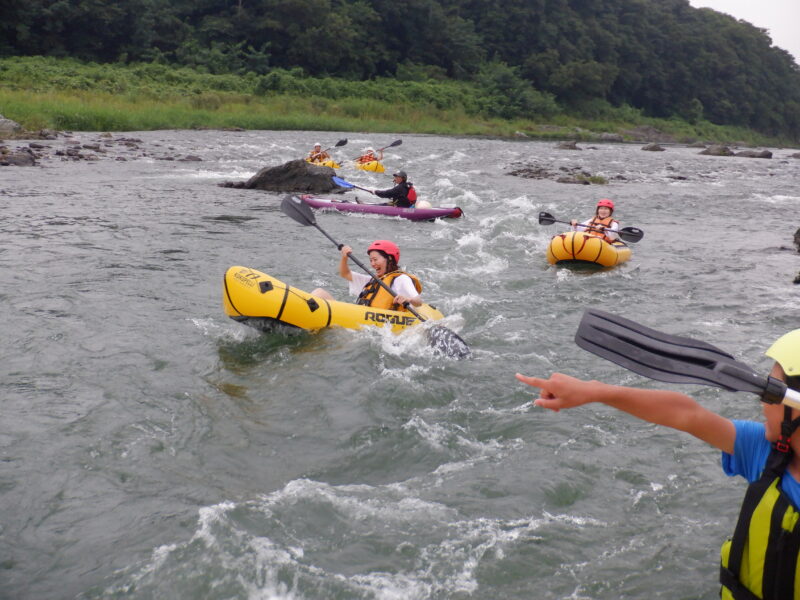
(266, 303)
(325, 163)
(372, 165)
(577, 246)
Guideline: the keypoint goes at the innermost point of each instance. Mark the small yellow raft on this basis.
(325, 163)
(268, 304)
(373, 165)
(580, 247)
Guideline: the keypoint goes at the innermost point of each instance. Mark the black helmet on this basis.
(402, 174)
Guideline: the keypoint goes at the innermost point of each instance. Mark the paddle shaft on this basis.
(362, 189)
(628, 234)
(392, 145)
(585, 226)
(336, 145)
(369, 272)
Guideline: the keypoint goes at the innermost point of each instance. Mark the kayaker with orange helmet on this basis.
(761, 559)
(384, 257)
(601, 224)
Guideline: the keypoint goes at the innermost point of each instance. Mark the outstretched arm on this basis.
(344, 267)
(662, 407)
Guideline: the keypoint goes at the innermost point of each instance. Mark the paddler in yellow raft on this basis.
(762, 559)
(384, 257)
(602, 224)
(318, 155)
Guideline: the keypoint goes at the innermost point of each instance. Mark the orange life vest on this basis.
(320, 156)
(365, 158)
(374, 295)
(597, 221)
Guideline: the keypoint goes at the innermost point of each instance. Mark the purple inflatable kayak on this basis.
(414, 214)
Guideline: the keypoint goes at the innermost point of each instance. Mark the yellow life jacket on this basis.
(597, 221)
(762, 559)
(374, 295)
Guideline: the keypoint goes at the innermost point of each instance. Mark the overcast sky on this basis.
(781, 18)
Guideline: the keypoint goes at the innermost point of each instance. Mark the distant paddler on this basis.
(318, 155)
(369, 155)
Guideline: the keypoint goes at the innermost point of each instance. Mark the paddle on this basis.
(440, 337)
(629, 234)
(392, 145)
(674, 359)
(346, 184)
(336, 145)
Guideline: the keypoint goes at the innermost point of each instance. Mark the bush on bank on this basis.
(46, 92)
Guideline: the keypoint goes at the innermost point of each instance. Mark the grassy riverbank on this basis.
(64, 94)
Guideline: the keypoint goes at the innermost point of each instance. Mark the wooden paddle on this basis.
(441, 338)
(629, 234)
(674, 359)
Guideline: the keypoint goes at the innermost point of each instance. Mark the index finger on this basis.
(531, 381)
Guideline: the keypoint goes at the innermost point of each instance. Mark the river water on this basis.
(153, 448)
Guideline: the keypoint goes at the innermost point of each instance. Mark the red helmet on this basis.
(386, 246)
(606, 202)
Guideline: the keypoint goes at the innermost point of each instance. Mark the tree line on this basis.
(662, 57)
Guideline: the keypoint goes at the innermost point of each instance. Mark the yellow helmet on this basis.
(786, 352)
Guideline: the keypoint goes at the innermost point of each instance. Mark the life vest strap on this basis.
(737, 589)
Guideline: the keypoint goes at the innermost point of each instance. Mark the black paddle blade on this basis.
(447, 342)
(392, 145)
(341, 143)
(631, 234)
(664, 357)
(294, 207)
(546, 218)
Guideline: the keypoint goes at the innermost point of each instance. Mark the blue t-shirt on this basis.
(749, 457)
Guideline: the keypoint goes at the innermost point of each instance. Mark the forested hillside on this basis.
(661, 56)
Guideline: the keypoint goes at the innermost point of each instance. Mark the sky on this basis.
(781, 18)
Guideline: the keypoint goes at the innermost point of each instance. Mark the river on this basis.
(152, 448)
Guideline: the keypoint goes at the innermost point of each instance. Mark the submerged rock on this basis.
(653, 148)
(572, 145)
(21, 158)
(754, 154)
(717, 151)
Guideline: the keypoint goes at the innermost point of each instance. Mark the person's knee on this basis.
(320, 293)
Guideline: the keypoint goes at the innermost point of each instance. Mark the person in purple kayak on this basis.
(402, 194)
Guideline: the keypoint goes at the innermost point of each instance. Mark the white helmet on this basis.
(317, 144)
(369, 149)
